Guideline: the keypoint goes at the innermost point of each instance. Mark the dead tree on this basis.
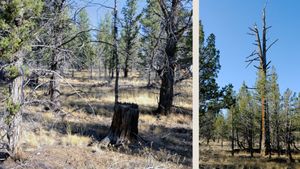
(260, 54)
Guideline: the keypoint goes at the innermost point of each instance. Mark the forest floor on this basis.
(214, 156)
(52, 141)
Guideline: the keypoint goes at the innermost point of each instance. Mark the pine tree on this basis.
(130, 33)
(105, 35)
(245, 104)
(274, 104)
(86, 52)
(288, 99)
(150, 37)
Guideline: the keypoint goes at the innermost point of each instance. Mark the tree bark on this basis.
(14, 118)
(54, 86)
(91, 72)
(277, 133)
(126, 70)
(166, 92)
(232, 137)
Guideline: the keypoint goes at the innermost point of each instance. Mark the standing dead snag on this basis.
(261, 55)
(124, 126)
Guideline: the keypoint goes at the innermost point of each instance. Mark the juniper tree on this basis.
(18, 21)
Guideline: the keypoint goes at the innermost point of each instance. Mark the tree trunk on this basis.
(91, 73)
(268, 138)
(232, 138)
(54, 83)
(73, 73)
(99, 69)
(126, 66)
(124, 126)
(14, 118)
(105, 70)
(250, 143)
(166, 92)
(263, 133)
(149, 78)
(277, 135)
(288, 137)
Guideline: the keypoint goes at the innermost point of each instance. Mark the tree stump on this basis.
(124, 126)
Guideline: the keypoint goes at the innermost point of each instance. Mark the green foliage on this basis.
(150, 28)
(221, 128)
(129, 35)
(12, 71)
(105, 35)
(16, 23)
(209, 69)
(12, 109)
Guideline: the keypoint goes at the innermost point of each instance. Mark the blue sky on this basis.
(97, 12)
(229, 21)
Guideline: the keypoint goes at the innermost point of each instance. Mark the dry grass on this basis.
(50, 141)
(216, 156)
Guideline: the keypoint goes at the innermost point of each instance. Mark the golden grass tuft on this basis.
(75, 140)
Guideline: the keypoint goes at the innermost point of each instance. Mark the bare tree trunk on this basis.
(14, 118)
(166, 92)
(73, 73)
(277, 134)
(126, 70)
(115, 53)
(99, 68)
(268, 138)
(149, 78)
(288, 137)
(250, 143)
(91, 72)
(232, 138)
(55, 82)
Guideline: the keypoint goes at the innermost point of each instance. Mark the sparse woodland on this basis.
(260, 126)
(115, 96)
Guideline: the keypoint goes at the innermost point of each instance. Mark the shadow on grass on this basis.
(175, 141)
(106, 109)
